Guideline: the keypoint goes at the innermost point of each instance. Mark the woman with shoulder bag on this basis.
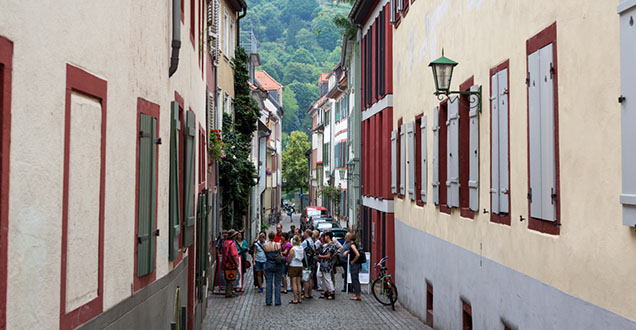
(273, 270)
(355, 265)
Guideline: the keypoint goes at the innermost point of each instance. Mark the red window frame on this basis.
(464, 150)
(182, 9)
(151, 109)
(179, 99)
(202, 158)
(192, 19)
(405, 7)
(545, 37)
(499, 218)
(443, 198)
(6, 67)
(397, 15)
(418, 160)
(429, 304)
(467, 316)
(78, 80)
(398, 158)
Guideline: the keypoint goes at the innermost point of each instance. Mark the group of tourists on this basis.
(308, 258)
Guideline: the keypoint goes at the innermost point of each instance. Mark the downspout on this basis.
(238, 23)
(176, 36)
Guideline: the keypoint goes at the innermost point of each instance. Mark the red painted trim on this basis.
(374, 59)
(544, 38)
(464, 151)
(373, 155)
(364, 21)
(398, 17)
(467, 316)
(340, 132)
(388, 52)
(150, 109)
(386, 142)
(363, 59)
(182, 9)
(192, 24)
(398, 152)
(6, 68)
(179, 99)
(202, 158)
(405, 6)
(418, 160)
(78, 80)
(499, 218)
(443, 114)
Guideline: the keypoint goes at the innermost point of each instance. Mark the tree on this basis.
(294, 71)
(306, 93)
(301, 9)
(295, 162)
(290, 119)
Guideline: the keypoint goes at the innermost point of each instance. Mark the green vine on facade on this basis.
(236, 169)
(331, 193)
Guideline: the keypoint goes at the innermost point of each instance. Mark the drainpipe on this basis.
(238, 22)
(176, 36)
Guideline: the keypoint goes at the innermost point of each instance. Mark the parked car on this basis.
(315, 220)
(339, 234)
(311, 211)
(324, 225)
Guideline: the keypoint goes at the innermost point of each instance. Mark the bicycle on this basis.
(383, 288)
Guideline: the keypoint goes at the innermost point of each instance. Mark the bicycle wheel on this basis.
(381, 291)
(393, 292)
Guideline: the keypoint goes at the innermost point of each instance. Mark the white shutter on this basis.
(435, 129)
(411, 158)
(494, 147)
(548, 152)
(424, 173)
(534, 126)
(402, 159)
(628, 115)
(504, 184)
(393, 162)
(473, 157)
(452, 150)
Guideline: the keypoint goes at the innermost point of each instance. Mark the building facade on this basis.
(508, 207)
(106, 209)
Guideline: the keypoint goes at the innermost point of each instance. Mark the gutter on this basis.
(176, 37)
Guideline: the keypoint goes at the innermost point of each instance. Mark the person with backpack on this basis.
(230, 263)
(357, 257)
(327, 252)
(259, 260)
(273, 270)
(310, 263)
(342, 256)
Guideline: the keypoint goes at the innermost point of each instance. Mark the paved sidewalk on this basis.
(249, 311)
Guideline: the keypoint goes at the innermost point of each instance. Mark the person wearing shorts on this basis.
(295, 263)
(259, 260)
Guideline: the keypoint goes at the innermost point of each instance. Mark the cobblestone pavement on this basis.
(248, 311)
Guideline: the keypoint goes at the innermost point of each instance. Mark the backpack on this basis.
(230, 269)
(363, 256)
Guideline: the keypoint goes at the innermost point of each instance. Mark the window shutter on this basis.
(402, 159)
(188, 191)
(534, 126)
(411, 160)
(548, 152)
(628, 116)
(436, 156)
(423, 159)
(494, 140)
(502, 110)
(175, 222)
(393, 162)
(473, 175)
(147, 192)
(452, 183)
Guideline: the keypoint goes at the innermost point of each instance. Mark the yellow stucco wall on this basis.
(593, 257)
(225, 70)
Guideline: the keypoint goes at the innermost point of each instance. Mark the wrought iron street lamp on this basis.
(443, 73)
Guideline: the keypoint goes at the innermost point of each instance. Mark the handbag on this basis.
(306, 275)
(247, 263)
(279, 259)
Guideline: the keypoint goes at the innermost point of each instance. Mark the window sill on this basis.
(466, 213)
(500, 219)
(544, 226)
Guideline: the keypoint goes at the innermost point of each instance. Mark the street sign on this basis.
(300, 195)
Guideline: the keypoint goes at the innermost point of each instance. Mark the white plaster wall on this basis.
(591, 258)
(83, 217)
(127, 44)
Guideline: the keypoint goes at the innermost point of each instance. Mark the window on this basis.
(337, 109)
(226, 33)
(499, 146)
(6, 59)
(452, 152)
(411, 158)
(202, 153)
(429, 304)
(440, 146)
(174, 204)
(84, 156)
(628, 112)
(402, 158)
(468, 152)
(189, 132)
(147, 149)
(325, 155)
(420, 160)
(327, 118)
(394, 160)
(543, 155)
(192, 19)
(232, 39)
(467, 316)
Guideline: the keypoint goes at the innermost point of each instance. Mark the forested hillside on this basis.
(297, 42)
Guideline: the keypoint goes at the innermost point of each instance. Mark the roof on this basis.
(324, 77)
(361, 10)
(238, 4)
(266, 81)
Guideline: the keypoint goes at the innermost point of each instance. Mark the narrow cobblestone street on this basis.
(248, 311)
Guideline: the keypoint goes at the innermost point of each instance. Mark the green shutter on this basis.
(147, 192)
(175, 222)
(188, 191)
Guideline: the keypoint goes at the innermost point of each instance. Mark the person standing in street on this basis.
(310, 263)
(279, 232)
(241, 244)
(259, 260)
(342, 254)
(292, 232)
(273, 271)
(285, 247)
(355, 264)
(230, 263)
(295, 263)
(327, 252)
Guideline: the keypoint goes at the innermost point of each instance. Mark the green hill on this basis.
(297, 41)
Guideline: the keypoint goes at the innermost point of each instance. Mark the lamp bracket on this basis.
(476, 94)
